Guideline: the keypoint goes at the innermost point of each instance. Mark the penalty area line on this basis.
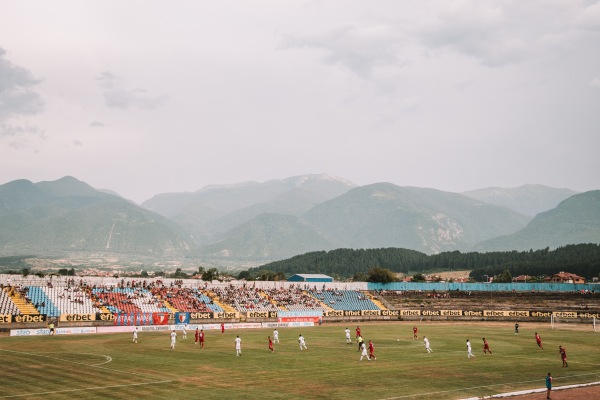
(83, 389)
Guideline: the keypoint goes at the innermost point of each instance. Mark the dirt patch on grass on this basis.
(583, 393)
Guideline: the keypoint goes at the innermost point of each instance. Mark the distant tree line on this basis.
(581, 259)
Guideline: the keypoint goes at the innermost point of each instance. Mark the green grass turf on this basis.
(111, 366)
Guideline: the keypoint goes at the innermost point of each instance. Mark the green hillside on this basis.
(70, 216)
(574, 220)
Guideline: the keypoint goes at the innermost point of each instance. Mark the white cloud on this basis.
(17, 98)
(118, 95)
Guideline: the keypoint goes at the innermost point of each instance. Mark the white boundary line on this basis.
(501, 395)
(498, 384)
(82, 389)
(80, 363)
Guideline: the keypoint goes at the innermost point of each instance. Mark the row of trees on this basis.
(581, 259)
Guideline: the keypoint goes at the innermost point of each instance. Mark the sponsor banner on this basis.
(226, 315)
(585, 314)
(505, 313)
(410, 313)
(249, 325)
(352, 313)
(29, 319)
(473, 313)
(5, 318)
(105, 317)
(300, 324)
(452, 313)
(208, 327)
(77, 317)
(29, 332)
(182, 318)
(334, 313)
(201, 315)
(298, 319)
(540, 314)
(160, 318)
(76, 330)
(370, 313)
(137, 319)
(275, 324)
(57, 331)
(154, 328)
(299, 313)
(565, 314)
(390, 313)
(261, 314)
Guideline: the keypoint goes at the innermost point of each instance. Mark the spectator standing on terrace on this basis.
(348, 340)
(426, 341)
(275, 336)
(173, 339)
(548, 385)
(563, 356)
(538, 340)
(372, 350)
(238, 346)
(302, 343)
(135, 330)
(486, 347)
(415, 330)
(469, 352)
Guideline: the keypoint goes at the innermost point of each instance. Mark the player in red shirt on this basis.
(415, 330)
(201, 337)
(538, 339)
(196, 335)
(271, 344)
(486, 347)
(222, 328)
(371, 350)
(358, 332)
(563, 355)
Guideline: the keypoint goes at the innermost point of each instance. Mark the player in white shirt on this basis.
(469, 353)
(173, 340)
(238, 346)
(348, 340)
(426, 341)
(184, 332)
(135, 335)
(302, 343)
(363, 347)
(275, 336)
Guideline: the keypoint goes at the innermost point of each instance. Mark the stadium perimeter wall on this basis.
(485, 287)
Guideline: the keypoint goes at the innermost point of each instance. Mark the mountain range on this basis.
(281, 218)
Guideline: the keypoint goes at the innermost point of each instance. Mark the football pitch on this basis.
(111, 366)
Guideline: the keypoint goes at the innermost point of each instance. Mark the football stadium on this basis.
(99, 338)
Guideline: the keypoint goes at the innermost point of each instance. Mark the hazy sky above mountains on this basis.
(145, 97)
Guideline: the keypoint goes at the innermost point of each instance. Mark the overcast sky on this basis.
(147, 97)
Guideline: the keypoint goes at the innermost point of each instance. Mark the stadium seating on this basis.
(345, 300)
